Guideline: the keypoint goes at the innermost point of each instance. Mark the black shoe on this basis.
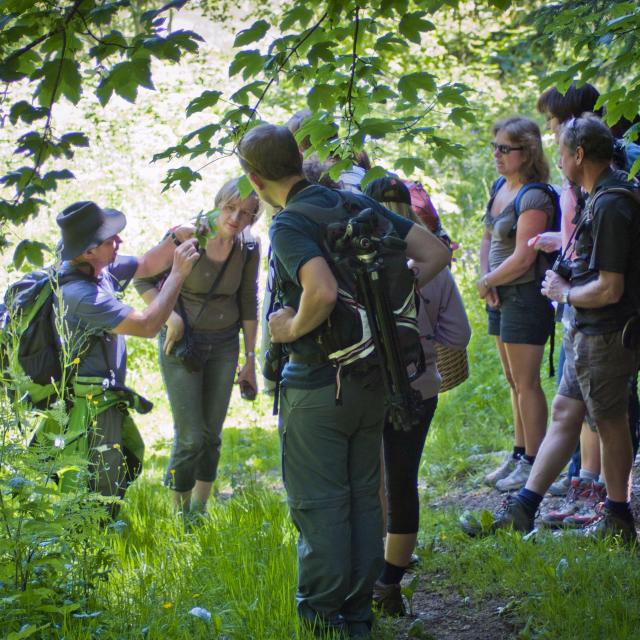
(609, 524)
(512, 514)
(387, 599)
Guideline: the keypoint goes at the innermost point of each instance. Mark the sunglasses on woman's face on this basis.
(505, 149)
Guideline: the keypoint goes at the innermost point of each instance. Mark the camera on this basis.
(562, 267)
(273, 362)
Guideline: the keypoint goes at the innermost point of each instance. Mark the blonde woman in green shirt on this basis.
(199, 345)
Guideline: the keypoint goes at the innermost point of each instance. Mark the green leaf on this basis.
(413, 24)
(452, 94)
(124, 79)
(249, 62)
(31, 251)
(103, 15)
(412, 82)
(321, 51)
(205, 100)
(300, 14)
(382, 93)
(112, 43)
(255, 32)
(407, 165)
(373, 174)
(24, 111)
(75, 138)
(460, 115)
(150, 16)
(376, 127)
(254, 88)
(322, 95)
(184, 175)
(503, 5)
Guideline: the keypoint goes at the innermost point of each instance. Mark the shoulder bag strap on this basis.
(212, 289)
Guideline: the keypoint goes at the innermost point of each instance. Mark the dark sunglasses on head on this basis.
(505, 149)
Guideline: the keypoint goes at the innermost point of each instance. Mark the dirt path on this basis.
(439, 611)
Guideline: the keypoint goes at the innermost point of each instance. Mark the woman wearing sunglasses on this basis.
(520, 317)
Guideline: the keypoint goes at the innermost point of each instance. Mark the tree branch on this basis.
(89, 33)
(281, 66)
(354, 62)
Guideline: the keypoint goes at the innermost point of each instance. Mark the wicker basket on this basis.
(453, 366)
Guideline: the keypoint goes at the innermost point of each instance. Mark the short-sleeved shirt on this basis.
(295, 239)
(503, 238)
(236, 293)
(608, 240)
(92, 308)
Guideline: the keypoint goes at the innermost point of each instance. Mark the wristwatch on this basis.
(564, 298)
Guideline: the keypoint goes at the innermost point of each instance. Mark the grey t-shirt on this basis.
(93, 308)
(503, 239)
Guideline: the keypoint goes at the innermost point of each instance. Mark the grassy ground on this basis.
(237, 570)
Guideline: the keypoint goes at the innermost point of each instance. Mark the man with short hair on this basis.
(95, 322)
(330, 422)
(599, 370)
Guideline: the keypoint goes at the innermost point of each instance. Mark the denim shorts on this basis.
(599, 371)
(524, 316)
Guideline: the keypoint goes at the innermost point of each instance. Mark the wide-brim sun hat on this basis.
(85, 225)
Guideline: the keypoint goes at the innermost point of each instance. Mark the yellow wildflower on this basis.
(167, 605)
(116, 445)
(76, 361)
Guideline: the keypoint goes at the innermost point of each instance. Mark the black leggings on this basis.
(402, 453)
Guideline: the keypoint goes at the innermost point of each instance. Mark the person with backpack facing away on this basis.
(330, 421)
(441, 318)
(96, 322)
(521, 319)
(218, 298)
(602, 347)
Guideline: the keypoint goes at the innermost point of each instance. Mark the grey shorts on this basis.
(598, 371)
(524, 316)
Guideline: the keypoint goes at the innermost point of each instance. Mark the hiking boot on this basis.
(587, 514)
(561, 486)
(387, 598)
(580, 493)
(608, 524)
(507, 466)
(517, 478)
(510, 515)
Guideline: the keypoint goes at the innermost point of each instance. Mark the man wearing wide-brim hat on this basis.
(95, 322)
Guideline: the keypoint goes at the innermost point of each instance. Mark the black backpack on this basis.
(30, 347)
(345, 337)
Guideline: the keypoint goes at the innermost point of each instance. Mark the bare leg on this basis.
(399, 547)
(517, 420)
(524, 364)
(558, 445)
(182, 500)
(589, 449)
(201, 493)
(617, 454)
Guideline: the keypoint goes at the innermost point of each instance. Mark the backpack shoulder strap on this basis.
(495, 187)
(550, 191)
(632, 192)
(320, 215)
